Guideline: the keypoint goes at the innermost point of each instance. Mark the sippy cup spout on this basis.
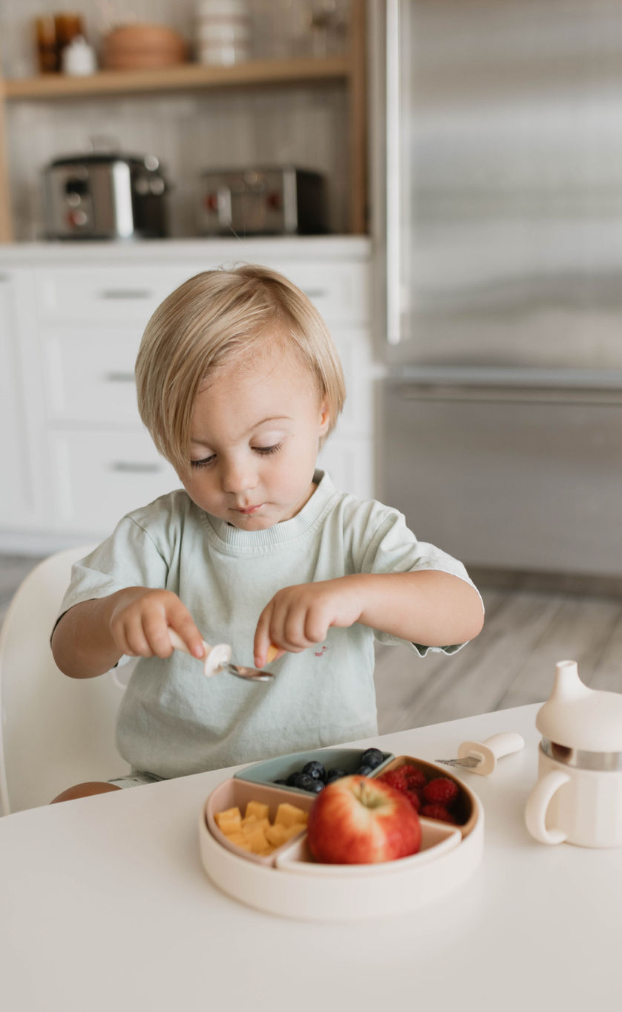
(568, 687)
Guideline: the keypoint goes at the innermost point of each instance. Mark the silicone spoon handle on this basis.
(490, 750)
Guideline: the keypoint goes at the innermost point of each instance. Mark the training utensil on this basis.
(218, 659)
(481, 756)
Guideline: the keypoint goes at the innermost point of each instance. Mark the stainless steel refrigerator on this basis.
(497, 153)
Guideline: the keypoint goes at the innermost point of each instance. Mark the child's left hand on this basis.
(300, 616)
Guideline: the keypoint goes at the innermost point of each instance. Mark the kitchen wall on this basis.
(189, 133)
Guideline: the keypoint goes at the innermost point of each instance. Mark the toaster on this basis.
(269, 201)
(105, 196)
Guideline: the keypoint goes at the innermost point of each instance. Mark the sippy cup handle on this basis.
(537, 804)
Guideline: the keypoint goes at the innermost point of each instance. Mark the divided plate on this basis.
(348, 759)
(290, 883)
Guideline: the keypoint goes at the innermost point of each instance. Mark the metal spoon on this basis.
(218, 658)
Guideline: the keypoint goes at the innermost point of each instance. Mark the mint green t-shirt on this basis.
(173, 721)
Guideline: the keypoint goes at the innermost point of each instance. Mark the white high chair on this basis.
(55, 731)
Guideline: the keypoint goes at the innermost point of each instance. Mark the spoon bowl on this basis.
(218, 659)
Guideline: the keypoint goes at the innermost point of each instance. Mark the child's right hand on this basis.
(141, 618)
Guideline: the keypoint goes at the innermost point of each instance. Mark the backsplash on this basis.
(188, 132)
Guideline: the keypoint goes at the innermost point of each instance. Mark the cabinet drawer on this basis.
(91, 377)
(103, 475)
(96, 296)
(339, 291)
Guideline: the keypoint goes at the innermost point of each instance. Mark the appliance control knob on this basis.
(156, 185)
(77, 218)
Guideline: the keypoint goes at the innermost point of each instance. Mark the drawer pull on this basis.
(125, 293)
(129, 467)
(119, 377)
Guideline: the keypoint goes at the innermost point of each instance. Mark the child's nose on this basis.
(238, 476)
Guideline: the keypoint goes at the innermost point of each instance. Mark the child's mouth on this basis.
(249, 510)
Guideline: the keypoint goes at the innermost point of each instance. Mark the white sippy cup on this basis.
(578, 796)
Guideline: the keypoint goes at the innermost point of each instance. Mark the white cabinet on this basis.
(19, 390)
(74, 453)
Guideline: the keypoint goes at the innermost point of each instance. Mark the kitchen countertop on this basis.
(105, 905)
(325, 248)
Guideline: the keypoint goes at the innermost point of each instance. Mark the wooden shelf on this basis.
(347, 70)
(187, 76)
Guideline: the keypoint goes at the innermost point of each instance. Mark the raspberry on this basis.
(437, 812)
(394, 778)
(414, 799)
(404, 778)
(441, 791)
(415, 778)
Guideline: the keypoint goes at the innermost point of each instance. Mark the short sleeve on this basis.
(128, 558)
(386, 544)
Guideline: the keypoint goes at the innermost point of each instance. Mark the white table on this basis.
(104, 905)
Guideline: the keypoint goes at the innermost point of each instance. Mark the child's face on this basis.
(255, 439)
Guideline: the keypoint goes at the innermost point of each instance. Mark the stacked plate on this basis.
(142, 47)
(290, 883)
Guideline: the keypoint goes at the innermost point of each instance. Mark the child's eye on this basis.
(268, 449)
(205, 462)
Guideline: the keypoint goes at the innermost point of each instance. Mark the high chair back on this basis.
(55, 731)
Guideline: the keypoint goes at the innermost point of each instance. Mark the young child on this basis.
(239, 384)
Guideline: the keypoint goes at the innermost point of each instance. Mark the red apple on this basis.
(357, 820)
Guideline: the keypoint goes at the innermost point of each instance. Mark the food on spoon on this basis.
(255, 833)
(358, 820)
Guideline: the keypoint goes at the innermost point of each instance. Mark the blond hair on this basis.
(212, 318)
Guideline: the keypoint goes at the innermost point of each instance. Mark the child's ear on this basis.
(324, 417)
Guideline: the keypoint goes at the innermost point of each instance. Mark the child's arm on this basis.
(92, 636)
(427, 607)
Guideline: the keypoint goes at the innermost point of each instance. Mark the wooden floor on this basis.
(512, 662)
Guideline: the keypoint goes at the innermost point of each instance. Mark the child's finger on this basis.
(262, 642)
(184, 626)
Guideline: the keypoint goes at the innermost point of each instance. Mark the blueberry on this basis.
(316, 786)
(364, 771)
(305, 782)
(331, 780)
(292, 778)
(280, 781)
(372, 757)
(315, 770)
(334, 774)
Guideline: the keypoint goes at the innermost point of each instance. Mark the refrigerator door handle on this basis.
(393, 173)
(505, 394)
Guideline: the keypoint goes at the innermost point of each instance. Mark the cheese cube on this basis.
(256, 838)
(257, 808)
(292, 830)
(229, 821)
(287, 815)
(276, 835)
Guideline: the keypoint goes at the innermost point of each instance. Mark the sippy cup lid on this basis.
(579, 717)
